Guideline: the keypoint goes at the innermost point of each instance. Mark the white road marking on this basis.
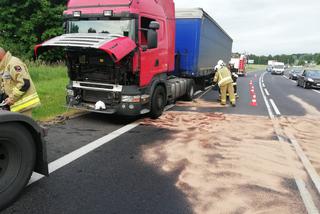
(263, 85)
(316, 91)
(275, 108)
(267, 92)
(264, 97)
(307, 164)
(304, 193)
(285, 77)
(69, 158)
(306, 197)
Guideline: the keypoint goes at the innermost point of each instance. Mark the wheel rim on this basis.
(10, 163)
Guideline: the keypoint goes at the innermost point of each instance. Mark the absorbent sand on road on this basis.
(306, 131)
(225, 163)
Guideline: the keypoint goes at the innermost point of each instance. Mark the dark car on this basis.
(294, 73)
(309, 79)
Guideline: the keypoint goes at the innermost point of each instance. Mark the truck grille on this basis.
(104, 96)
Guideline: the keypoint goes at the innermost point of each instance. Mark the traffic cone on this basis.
(254, 101)
(252, 91)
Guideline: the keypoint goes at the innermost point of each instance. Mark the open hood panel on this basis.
(116, 46)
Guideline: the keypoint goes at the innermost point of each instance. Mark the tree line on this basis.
(293, 59)
(25, 23)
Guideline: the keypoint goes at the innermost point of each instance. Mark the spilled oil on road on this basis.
(226, 163)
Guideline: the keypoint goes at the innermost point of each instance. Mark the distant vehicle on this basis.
(294, 73)
(240, 65)
(309, 79)
(269, 68)
(271, 62)
(278, 68)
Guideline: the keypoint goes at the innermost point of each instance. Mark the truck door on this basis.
(153, 60)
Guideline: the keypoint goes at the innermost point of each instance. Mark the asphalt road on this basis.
(113, 178)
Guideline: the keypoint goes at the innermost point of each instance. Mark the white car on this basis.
(278, 69)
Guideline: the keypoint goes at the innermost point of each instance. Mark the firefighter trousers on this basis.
(230, 90)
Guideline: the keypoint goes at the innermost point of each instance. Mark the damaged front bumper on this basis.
(116, 99)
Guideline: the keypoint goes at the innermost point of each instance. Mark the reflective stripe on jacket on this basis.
(26, 103)
(224, 77)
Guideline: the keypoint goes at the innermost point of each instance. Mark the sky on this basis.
(264, 27)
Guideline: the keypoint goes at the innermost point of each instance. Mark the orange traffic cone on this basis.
(252, 91)
(254, 101)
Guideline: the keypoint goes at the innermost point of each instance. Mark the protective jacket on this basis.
(223, 77)
(16, 83)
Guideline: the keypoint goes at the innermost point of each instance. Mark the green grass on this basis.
(250, 67)
(50, 82)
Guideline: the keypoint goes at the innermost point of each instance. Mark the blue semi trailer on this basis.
(200, 43)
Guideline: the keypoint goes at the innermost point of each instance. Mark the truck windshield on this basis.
(120, 27)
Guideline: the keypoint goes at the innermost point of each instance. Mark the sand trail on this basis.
(306, 131)
(228, 163)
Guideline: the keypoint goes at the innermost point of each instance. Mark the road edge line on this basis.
(275, 108)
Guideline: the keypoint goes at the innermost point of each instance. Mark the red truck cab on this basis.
(130, 18)
(120, 55)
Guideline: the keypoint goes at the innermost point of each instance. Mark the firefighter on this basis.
(234, 78)
(16, 84)
(225, 82)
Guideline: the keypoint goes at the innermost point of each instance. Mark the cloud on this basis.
(266, 26)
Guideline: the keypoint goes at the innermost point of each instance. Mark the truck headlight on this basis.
(310, 80)
(76, 13)
(108, 13)
(70, 92)
(131, 99)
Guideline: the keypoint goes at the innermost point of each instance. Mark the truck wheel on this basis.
(190, 91)
(158, 102)
(17, 160)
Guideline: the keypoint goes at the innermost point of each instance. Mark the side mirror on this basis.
(154, 25)
(152, 39)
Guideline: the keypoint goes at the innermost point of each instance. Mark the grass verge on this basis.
(250, 67)
(50, 82)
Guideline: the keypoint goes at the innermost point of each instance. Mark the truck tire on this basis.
(17, 160)
(190, 91)
(158, 102)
